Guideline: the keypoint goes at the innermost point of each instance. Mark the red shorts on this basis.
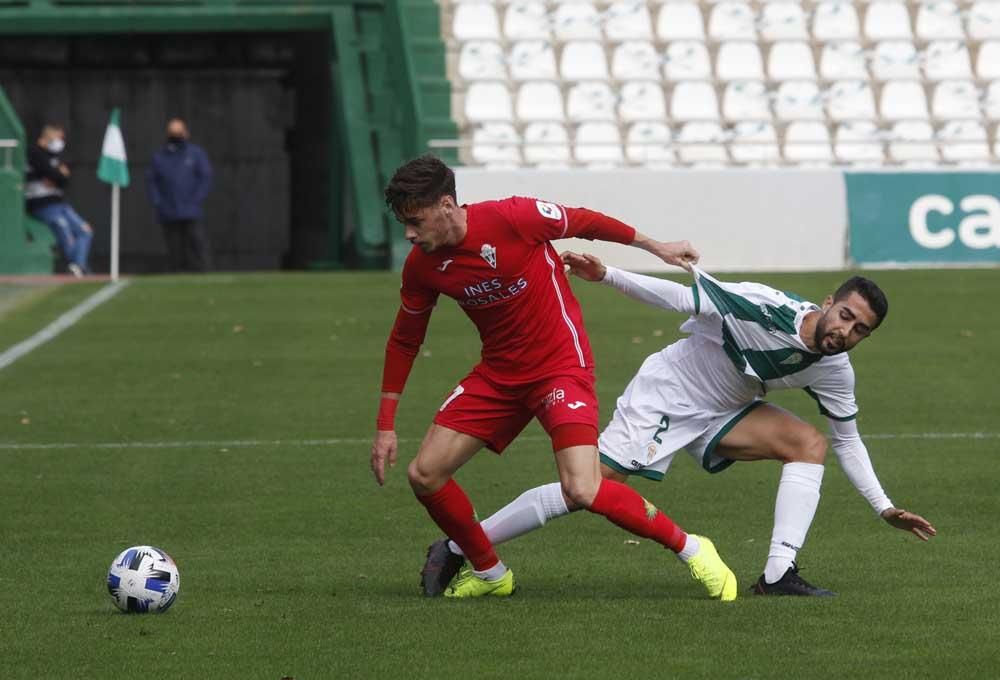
(497, 414)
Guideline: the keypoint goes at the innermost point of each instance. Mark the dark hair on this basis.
(867, 289)
(419, 183)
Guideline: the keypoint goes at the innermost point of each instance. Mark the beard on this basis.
(827, 343)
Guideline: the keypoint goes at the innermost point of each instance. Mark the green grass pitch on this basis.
(294, 563)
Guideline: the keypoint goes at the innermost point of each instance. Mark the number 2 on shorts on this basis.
(664, 425)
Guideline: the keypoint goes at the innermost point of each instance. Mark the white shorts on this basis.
(655, 417)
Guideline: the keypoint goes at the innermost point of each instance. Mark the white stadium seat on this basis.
(577, 21)
(687, 60)
(945, 59)
(912, 142)
(783, 21)
(494, 143)
(680, 21)
(807, 142)
(885, 20)
(991, 102)
(487, 101)
(628, 20)
(481, 60)
(835, 20)
(746, 101)
(635, 60)
(955, 99)
(902, 100)
(598, 143)
(475, 21)
(858, 143)
(583, 60)
(526, 20)
(694, 100)
(939, 19)
(791, 61)
(798, 100)
(754, 143)
(532, 60)
(895, 59)
(843, 59)
(739, 60)
(964, 141)
(641, 101)
(649, 144)
(590, 101)
(850, 100)
(984, 20)
(546, 144)
(731, 20)
(540, 100)
(988, 60)
(702, 143)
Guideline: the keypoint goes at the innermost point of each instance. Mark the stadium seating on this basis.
(665, 83)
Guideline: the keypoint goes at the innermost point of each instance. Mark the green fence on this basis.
(25, 244)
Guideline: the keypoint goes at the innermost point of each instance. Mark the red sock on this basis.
(625, 507)
(451, 510)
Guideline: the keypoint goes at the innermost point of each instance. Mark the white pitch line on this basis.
(260, 443)
(64, 321)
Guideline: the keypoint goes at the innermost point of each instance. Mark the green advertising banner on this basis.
(944, 218)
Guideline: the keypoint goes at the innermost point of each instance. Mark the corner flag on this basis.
(113, 169)
(113, 166)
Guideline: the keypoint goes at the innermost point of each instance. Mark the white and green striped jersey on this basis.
(750, 327)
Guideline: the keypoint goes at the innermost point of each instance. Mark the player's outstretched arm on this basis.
(651, 290)
(678, 253)
(908, 521)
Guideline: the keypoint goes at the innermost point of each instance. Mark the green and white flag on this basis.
(113, 166)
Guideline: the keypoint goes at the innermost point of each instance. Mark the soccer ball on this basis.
(143, 579)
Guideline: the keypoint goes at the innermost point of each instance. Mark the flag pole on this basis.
(115, 196)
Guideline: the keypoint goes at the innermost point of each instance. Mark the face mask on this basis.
(175, 139)
(56, 145)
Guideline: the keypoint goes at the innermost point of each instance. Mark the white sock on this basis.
(691, 547)
(529, 511)
(493, 573)
(794, 508)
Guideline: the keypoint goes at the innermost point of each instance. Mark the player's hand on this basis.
(908, 521)
(677, 253)
(586, 266)
(384, 450)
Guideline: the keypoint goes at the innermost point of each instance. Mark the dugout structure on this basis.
(370, 85)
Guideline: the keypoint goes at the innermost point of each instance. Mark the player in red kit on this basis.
(494, 258)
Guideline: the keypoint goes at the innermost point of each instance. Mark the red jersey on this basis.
(509, 280)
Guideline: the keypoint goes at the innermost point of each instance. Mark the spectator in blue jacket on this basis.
(178, 182)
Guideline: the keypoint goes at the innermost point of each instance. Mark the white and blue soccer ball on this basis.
(143, 579)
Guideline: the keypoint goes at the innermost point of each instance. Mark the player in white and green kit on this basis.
(704, 394)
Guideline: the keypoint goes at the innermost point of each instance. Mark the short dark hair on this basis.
(419, 183)
(867, 289)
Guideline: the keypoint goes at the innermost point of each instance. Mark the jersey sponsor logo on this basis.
(792, 360)
(549, 210)
(491, 290)
(444, 265)
(489, 253)
(576, 404)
